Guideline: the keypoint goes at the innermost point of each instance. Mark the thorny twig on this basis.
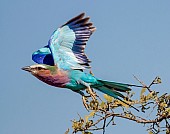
(105, 111)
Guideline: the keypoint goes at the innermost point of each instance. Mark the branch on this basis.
(141, 120)
(106, 110)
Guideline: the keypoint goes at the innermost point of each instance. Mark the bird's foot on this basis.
(92, 93)
(84, 99)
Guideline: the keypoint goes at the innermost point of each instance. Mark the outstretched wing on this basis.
(66, 46)
(68, 42)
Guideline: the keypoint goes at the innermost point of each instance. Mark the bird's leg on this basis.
(84, 99)
(89, 90)
(92, 94)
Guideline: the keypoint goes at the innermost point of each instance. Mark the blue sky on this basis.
(132, 37)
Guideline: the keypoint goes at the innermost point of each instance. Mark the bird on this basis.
(63, 63)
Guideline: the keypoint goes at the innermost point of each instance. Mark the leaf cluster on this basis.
(102, 112)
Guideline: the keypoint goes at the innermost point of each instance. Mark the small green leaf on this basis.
(167, 110)
(89, 116)
(77, 125)
(142, 91)
(108, 98)
(150, 132)
(167, 131)
(103, 105)
(158, 80)
(94, 104)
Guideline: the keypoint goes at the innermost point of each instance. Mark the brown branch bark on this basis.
(141, 120)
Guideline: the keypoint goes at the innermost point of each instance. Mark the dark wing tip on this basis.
(81, 21)
(92, 29)
(83, 29)
(79, 17)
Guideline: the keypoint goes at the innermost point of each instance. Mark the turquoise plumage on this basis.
(62, 62)
(67, 44)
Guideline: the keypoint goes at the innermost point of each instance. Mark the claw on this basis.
(85, 103)
(92, 93)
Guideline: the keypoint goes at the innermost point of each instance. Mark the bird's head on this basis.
(39, 69)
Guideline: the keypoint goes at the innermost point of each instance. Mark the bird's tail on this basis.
(114, 90)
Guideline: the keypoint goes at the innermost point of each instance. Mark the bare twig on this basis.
(143, 84)
(106, 109)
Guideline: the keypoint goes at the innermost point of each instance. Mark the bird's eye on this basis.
(38, 68)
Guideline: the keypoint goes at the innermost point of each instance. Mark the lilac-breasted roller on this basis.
(62, 63)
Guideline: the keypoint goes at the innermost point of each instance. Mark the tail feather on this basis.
(113, 89)
(112, 92)
(116, 86)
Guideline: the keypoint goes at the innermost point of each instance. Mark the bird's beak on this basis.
(27, 68)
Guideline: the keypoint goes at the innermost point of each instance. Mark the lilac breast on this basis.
(55, 80)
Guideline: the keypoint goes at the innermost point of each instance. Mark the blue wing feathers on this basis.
(66, 45)
(43, 56)
(83, 30)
